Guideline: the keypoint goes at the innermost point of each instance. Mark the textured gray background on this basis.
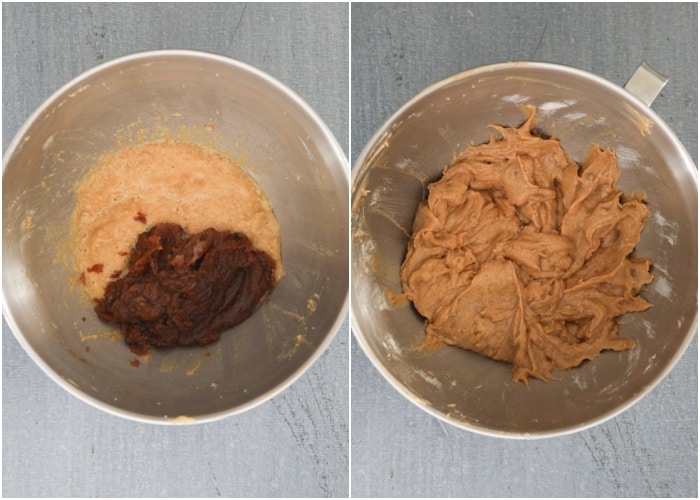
(294, 445)
(398, 450)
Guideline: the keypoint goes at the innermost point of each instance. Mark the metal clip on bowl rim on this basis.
(645, 83)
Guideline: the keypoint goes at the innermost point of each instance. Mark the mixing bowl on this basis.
(411, 149)
(220, 104)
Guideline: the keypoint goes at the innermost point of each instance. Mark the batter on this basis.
(522, 256)
(134, 188)
(130, 192)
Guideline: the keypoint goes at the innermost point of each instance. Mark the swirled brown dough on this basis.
(522, 256)
(186, 290)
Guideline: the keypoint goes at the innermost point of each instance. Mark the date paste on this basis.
(521, 255)
(186, 290)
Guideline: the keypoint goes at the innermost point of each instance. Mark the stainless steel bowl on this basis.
(411, 149)
(224, 105)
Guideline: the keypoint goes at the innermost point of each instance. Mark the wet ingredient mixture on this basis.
(134, 188)
(521, 255)
(156, 224)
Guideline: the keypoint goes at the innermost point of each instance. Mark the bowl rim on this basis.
(336, 151)
(362, 165)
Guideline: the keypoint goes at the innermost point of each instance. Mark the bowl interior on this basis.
(220, 104)
(410, 151)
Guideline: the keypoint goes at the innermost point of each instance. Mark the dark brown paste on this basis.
(180, 290)
(140, 217)
(97, 268)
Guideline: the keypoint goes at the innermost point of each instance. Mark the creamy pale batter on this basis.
(135, 188)
(523, 256)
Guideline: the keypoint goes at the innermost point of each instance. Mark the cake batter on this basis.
(522, 256)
